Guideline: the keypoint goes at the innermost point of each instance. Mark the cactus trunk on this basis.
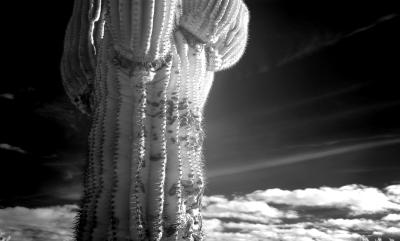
(142, 70)
(144, 178)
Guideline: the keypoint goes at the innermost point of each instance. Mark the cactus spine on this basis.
(142, 69)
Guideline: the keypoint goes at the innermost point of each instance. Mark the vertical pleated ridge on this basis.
(109, 125)
(147, 27)
(173, 188)
(183, 107)
(123, 156)
(113, 20)
(96, 161)
(156, 102)
(136, 24)
(139, 166)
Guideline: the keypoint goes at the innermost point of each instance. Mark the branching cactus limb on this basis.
(142, 69)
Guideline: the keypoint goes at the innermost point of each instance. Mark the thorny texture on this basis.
(142, 69)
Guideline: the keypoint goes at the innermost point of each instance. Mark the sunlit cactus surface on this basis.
(142, 69)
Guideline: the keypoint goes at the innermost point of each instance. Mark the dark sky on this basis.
(314, 101)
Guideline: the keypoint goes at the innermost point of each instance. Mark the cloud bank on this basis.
(39, 224)
(352, 212)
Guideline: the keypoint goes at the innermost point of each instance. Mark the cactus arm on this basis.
(77, 69)
(231, 46)
(222, 25)
(206, 22)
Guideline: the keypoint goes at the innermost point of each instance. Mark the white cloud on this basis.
(9, 147)
(393, 192)
(392, 217)
(256, 216)
(231, 231)
(243, 209)
(359, 199)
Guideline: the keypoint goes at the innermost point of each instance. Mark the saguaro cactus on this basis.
(142, 70)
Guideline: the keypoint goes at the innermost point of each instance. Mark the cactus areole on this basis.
(142, 69)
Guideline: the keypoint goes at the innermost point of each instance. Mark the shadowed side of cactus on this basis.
(142, 69)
